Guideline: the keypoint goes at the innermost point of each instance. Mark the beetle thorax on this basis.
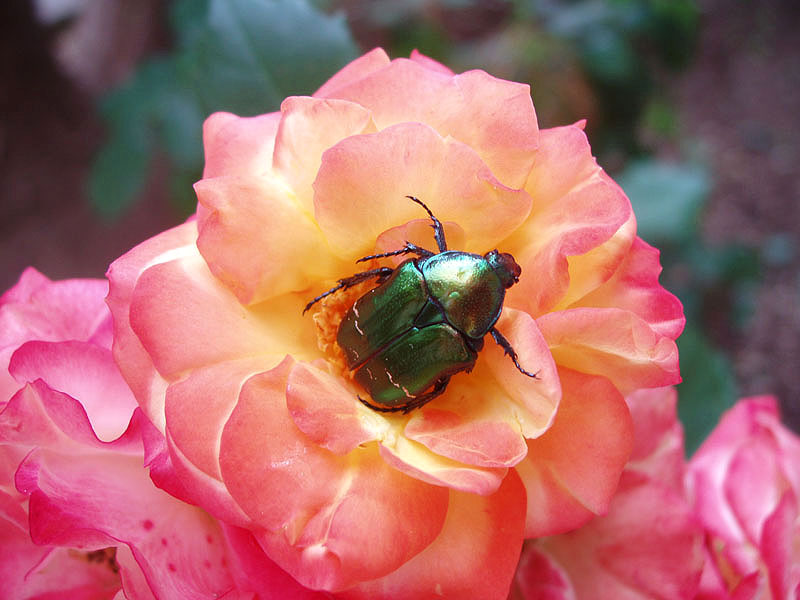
(467, 288)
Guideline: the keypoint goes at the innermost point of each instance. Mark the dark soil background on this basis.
(740, 99)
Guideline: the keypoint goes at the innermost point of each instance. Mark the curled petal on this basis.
(578, 210)
(611, 342)
(324, 516)
(39, 309)
(417, 461)
(328, 412)
(481, 442)
(309, 126)
(354, 71)
(494, 117)
(82, 370)
(135, 363)
(473, 558)
(634, 287)
(257, 240)
(362, 183)
(592, 269)
(429, 63)
(540, 577)
(239, 145)
(37, 415)
(572, 471)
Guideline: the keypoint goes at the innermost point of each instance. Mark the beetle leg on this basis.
(348, 282)
(506, 346)
(438, 229)
(415, 402)
(409, 248)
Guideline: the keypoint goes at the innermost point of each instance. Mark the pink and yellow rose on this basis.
(256, 420)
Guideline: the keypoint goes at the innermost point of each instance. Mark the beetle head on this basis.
(505, 266)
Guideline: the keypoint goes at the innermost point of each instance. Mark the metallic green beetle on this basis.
(424, 322)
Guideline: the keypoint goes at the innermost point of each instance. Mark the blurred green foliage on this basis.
(609, 61)
(242, 56)
(712, 282)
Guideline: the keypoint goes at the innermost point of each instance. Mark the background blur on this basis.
(692, 105)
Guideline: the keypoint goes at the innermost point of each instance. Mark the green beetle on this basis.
(424, 322)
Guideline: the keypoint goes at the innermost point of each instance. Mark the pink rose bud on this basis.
(744, 482)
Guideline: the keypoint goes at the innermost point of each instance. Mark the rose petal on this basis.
(173, 473)
(658, 441)
(613, 343)
(494, 117)
(87, 503)
(135, 364)
(256, 240)
(634, 287)
(37, 415)
(474, 556)
(254, 571)
(328, 520)
(418, 462)
(179, 301)
(30, 571)
(216, 388)
(429, 63)
(778, 547)
(39, 309)
(418, 232)
(328, 412)
(751, 504)
(585, 219)
(81, 370)
(309, 126)
(535, 400)
(564, 162)
(646, 547)
(474, 441)
(591, 270)
(571, 472)
(355, 70)
(540, 577)
(239, 145)
(362, 183)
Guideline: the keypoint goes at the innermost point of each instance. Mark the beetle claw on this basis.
(509, 350)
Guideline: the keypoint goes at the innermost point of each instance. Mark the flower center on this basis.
(329, 314)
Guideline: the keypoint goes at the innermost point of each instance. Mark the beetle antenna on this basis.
(506, 346)
(438, 229)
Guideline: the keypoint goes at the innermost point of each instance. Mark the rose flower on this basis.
(263, 423)
(744, 484)
(79, 515)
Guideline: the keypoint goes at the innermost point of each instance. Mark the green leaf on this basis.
(242, 56)
(666, 198)
(708, 387)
